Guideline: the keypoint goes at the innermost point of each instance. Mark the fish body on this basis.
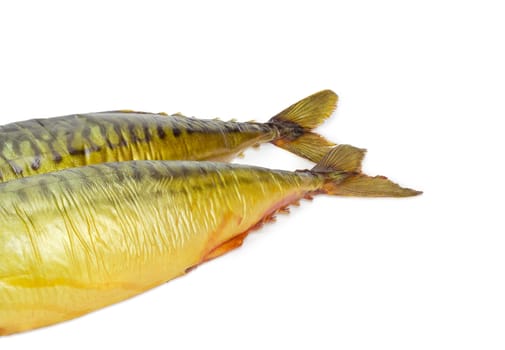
(82, 243)
(79, 239)
(44, 145)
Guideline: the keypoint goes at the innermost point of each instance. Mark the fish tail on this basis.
(341, 168)
(295, 125)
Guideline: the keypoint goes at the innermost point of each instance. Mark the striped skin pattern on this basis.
(44, 145)
(79, 239)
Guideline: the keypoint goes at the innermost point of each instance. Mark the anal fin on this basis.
(225, 247)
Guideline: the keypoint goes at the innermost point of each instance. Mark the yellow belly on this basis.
(70, 252)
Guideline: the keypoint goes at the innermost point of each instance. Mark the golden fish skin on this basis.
(79, 239)
(43, 145)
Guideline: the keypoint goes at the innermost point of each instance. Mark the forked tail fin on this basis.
(342, 169)
(295, 125)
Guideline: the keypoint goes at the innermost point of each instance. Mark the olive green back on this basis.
(44, 145)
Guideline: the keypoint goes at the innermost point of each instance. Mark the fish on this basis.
(44, 145)
(80, 239)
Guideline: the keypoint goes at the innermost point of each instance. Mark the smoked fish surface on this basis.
(79, 239)
(43, 145)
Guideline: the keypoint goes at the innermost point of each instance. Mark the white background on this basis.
(421, 86)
